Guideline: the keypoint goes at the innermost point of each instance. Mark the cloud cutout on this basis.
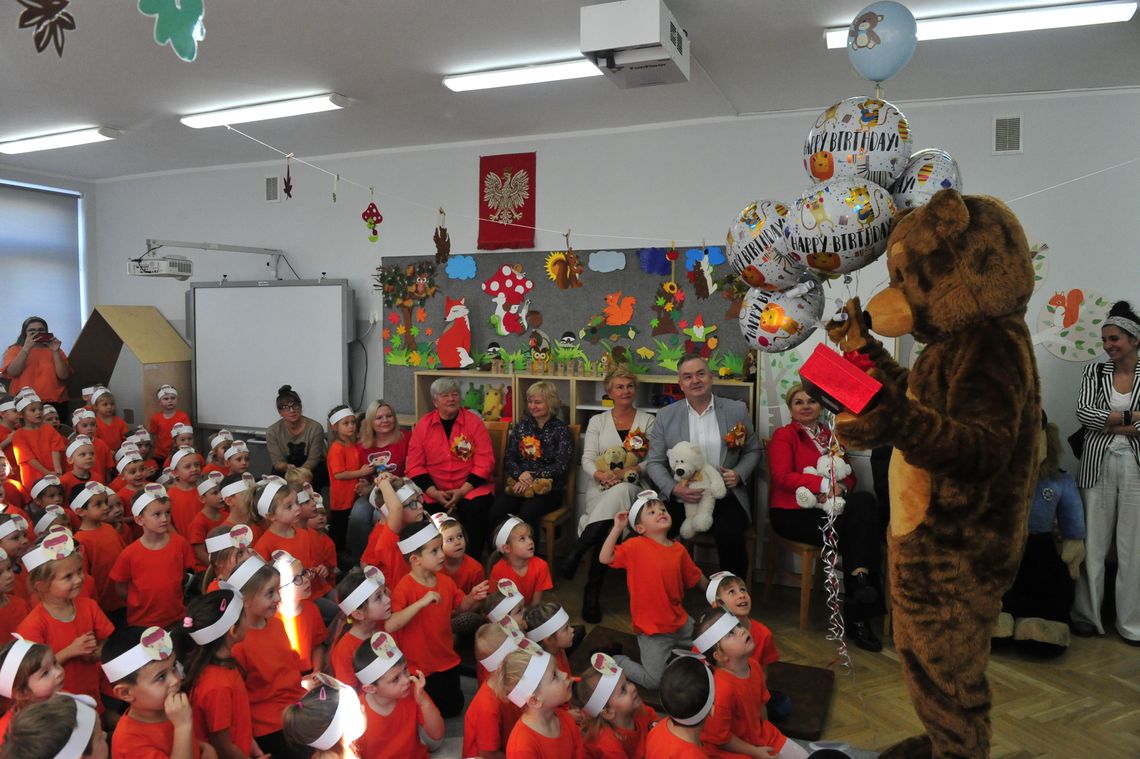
(607, 261)
(461, 267)
(693, 255)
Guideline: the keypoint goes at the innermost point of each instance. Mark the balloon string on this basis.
(1074, 179)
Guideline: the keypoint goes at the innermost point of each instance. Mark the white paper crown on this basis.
(154, 645)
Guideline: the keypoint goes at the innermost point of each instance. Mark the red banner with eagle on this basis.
(506, 201)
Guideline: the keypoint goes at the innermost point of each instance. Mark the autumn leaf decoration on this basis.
(636, 443)
(462, 448)
(530, 447)
(50, 20)
(735, 436)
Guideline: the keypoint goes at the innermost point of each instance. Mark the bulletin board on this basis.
(645, 307)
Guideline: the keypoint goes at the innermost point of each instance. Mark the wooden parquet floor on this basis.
(1085, 704)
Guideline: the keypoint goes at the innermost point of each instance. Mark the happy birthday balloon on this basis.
(927, 172)
(758, 249)
(841, 225)
(881, 40)
(774, 322)
(864, 138)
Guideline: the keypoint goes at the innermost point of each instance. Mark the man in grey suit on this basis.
(705, 419)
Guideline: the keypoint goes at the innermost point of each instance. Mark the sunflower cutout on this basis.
(462, 448)
(530, 447)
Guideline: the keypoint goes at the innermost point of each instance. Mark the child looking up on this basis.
(531, 681)
(365, 604)
(616, 722)
(149, 573)
(318, 525)
(658, 570)
(395, 703)
(277, 504)
(164, 420)
(402, 504)
(37, 447)
(183, 490)
(345, 470)
(530, 574)
(101, 543)
(548, 624)
(300, 616)
(739, 722)
(464, 571)
(108, 427)
(237, 500)
(83, 421)
(328, 718)
(29, 674)
(72, 625)
(227, 548)
(13, 609)
(216, 458)
(53, 728)
(80, 453)
(422, 605)
(208, 517)
(687, 694)
(488, 720)
(236, 458)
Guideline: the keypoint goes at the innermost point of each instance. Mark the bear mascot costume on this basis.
(964, 425)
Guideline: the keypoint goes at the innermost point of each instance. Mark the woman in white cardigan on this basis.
(608, 490)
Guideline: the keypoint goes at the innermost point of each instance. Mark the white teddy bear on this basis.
(830, 465)
(688, 466)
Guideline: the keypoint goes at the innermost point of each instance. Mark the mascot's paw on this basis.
(917, 747)
(1043, 631)
(701, 522)
(805, 498)
(850, 331)
(876, 426)
(688, 530)
(1003, 628)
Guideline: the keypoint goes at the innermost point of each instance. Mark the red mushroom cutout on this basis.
(508, 288)
(372, 218)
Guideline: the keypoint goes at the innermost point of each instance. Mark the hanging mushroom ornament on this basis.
(442, 239)
(372, 218)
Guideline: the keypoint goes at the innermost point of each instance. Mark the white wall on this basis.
(682, 181)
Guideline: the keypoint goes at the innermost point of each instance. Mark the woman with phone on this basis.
(36, 360)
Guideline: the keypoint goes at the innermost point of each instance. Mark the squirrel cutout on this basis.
(564, 269)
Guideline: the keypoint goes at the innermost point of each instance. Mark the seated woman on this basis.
(451, 458)
(608, 490)
(538, 453)
(799, 445)
(379, 433)
(296, 442)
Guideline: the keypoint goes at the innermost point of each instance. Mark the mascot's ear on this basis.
(949, 213)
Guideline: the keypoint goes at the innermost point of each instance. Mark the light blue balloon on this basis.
(881, 40)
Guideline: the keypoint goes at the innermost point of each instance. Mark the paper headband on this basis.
(504, 533)
(81, 414)
(241, 486)
(236, 447)
(88, 390)
(703, 712)
(372, 582)
(50, 409)
(511, 599)
(407, 493)
(89, 491)
(15, 524)
(181, 429)
(272, 485)
(3, 555)
(549, 627)
(209, 482)
(239, 536)
(128, 458)
(347, 722)
(231, 615)
(532, 676)
(98, 393)
(286, 565)
(418, 540)
(124, 449)
(611, 675)
(387, 654)
(643, 498)
(714, 585)
(22, 402)
(180, 454)
(222, 436)
(303, 496)
(54, 546)
(166, 477)
(343, 413)
(154, 645)
(8, 406)
(440, 520)
(77, 443)
(11, 665)
(710, 637)
(84, 732)
(151, 493)
(45, 482)
(319, 502)
(240, 576)
(377, 503)
(166, 390)
(515, 641)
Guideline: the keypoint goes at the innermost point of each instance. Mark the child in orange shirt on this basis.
(422, 605)
(616, 723)
(150, 572)
(236, 458)
(181, 436)
(159, 722)
(345, 470)
(300, 616)
(277, 504)
(218, 697)
(83, 422)
(52, 727)
(272, 667)
(72, 625)
(464, 571)
(80, 453)
(237, 502)
(14, 543)
(548, 625)
(488, 720)
(365, 604)
(133, 474)
(9, 422)
(401, 504)
(13, 609)
(739, 722)
(127, 448)
(183, 489)
(530, 574)
(318, 524)
(227, 547)
(658, 570)
(47, 492)
(687, 695)
(37, 447)
(395, 703)
(29, 674)
(209, 517)
(13, 493)
(216, 458)
(108, 427)
(145, 443)
(328, 718)
(164, 420)
(101, 544)
(531, 681)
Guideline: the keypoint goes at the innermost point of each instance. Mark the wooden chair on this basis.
(554, 519)
(499, 434)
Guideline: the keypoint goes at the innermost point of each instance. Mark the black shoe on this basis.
(1082, 629)
(862, 590)
(591, 606)
(860, 634)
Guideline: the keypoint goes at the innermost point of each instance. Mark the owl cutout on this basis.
(605, 664)
(384, 646)
(156, 644)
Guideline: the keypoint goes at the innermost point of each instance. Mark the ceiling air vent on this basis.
(1007, 135)
(272, 190)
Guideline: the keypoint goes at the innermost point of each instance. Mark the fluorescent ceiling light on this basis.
(64, 140)
(262, 111)
(1020, 20)
(543, 72)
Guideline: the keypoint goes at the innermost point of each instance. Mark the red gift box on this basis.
(837, 383)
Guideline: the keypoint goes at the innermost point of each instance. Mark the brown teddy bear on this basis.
(540, 486)
(617, 457)
(963, 423)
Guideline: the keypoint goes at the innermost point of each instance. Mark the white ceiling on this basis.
(388, 56)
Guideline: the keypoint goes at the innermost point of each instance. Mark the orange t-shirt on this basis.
(184, 506)
(614, 743)
(325, 550)
(469, 574)
(104, 468)
(426, 640)
(154, 581)
(341, 657)
(36, 445)
(39, 374)
(661, 742)
(79, 675)
(301, 547)
(537, 577)
(113, 432)
(160, 428)
(765, 652)
(383, 552)
(212, 467)
(200, 527)
(561, 662)
(220, 702)
(102, 547)
(272, 674)
(12, 613)
(488, 722)
(737, 711)
(69, 482)
(342, 458)
(305, 631)
(657, 576)
(526, 743)
(393, 736)
(14, 493)
(143, 740)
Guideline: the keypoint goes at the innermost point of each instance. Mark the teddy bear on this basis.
(688, 466)
(963, 425)
(832, 467)
(617, 457)
(540, 486)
